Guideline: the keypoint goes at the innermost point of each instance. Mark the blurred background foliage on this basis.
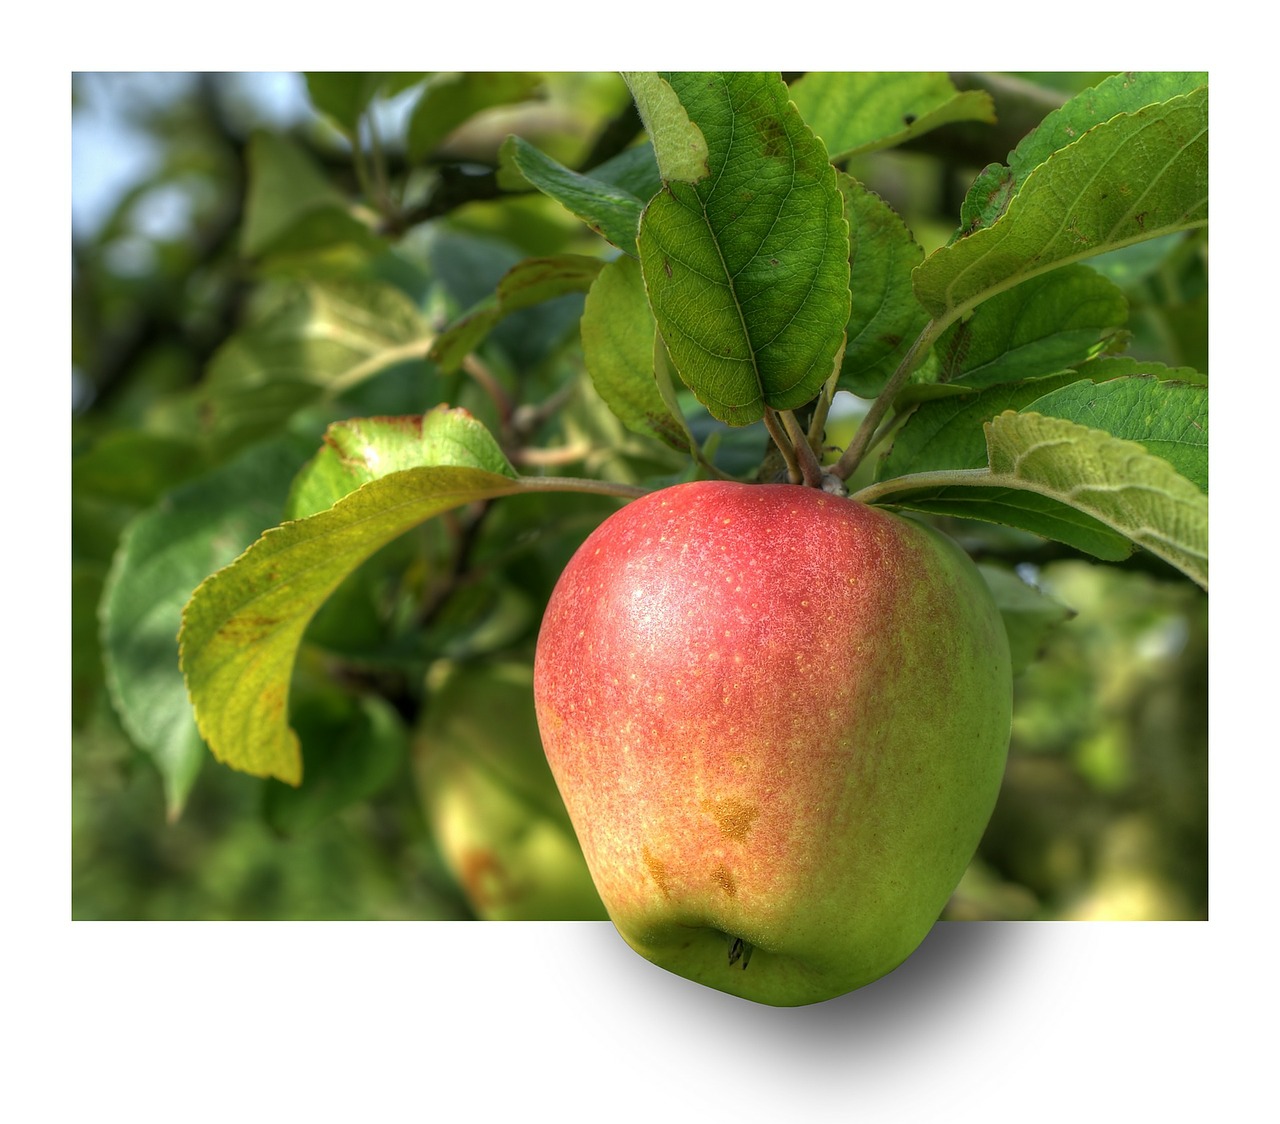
(244, 274)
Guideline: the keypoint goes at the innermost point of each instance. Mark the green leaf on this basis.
(450, 99)
(523, 286)
(747, 271)
(885, 318)
(1074, 484)
(1029, 615)
(1170, 419)
(359, 450)
(291, 207)
(344, 95)
(1134, 177)
(863, 112)
(610, 211)
(310, 340)
(242, 627)
(1120, 93)
(617, 344)
(354, 748)
(945, 433)
(163, 555)
(1119, 366)
(134, 467)
(1048, 323)
(678, 143)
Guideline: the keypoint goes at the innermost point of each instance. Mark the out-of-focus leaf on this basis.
(163, 556)
(525, 285)
(291, 207)
(863, 112)
(314, 339)
(344, 95)
(353, 749)
(747, 270)
(1030, 616)
(450, 99)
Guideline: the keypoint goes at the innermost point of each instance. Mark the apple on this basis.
(779, 721)
(490, 799)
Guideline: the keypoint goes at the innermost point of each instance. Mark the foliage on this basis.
(339, 434)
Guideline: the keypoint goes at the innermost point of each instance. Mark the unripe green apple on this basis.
(491, 802)
(779, 721)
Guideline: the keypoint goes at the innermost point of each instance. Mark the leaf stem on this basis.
(810, 469)
(780, 438)
(582, 484)
(852, 456)
(943, 478)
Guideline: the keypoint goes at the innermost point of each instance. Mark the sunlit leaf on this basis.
(1134, 177)
(1120, 93)
(747, 270)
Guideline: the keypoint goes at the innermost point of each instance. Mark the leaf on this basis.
(523, 286)
(1030, 616)
(1134, 177)
(1074, 484)
(242, 627)
(885, 318)
(359, 450)
(343, 96)
(450, 99)
(354, 749)
(617, 344)
(291, 207)
(1120, 93)
(678, 143)
(947, 433)
(747, 271)
(1118, 482)
(163, 555)
(862, 112)
(311, 339)
(1048, 323)
(609, 210)
(1118, 366)
(1170, 419)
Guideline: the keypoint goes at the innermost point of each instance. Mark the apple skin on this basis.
(491, 802)
(779, 720)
